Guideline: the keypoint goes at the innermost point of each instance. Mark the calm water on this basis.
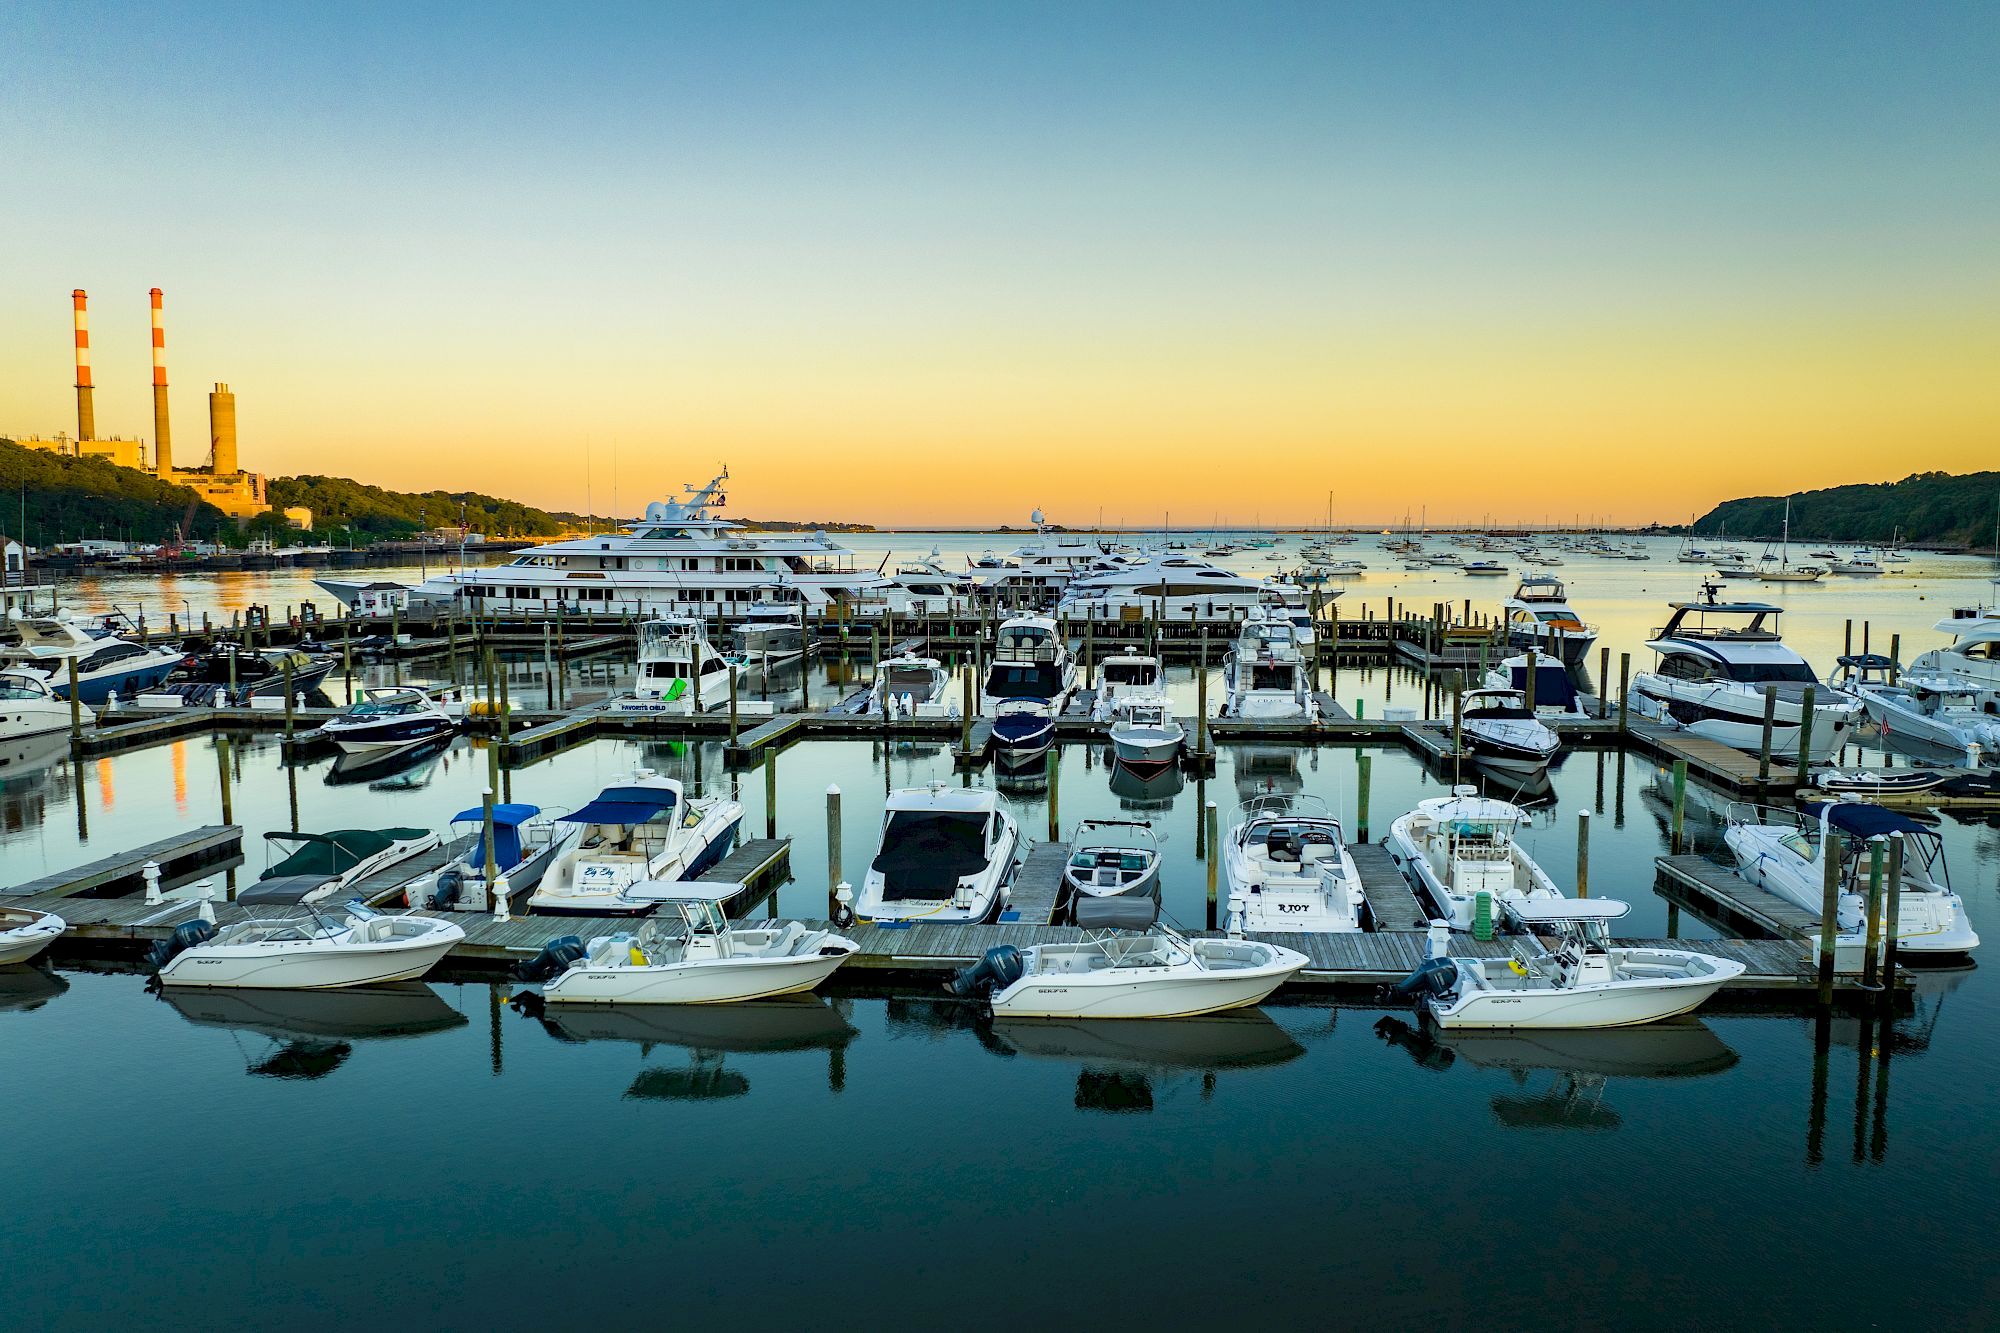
(439, 1156)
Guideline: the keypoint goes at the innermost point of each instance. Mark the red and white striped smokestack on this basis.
(163, 440)
(86, 412)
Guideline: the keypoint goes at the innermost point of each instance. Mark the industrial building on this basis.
(219, 478)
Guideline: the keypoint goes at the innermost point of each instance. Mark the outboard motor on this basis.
(554, 960)
(185, 937)
(1434, 976)
(999, 969)
(445, 889)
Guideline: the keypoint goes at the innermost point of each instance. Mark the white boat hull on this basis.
(307, 965)
(1140, 997)
(21, 943)
(707, 981)
(1615, 1005)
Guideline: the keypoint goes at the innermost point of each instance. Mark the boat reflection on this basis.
(708, 1033)
(1156, 792)
(1582, 1063)
(27, 986)
(1125, 1064)
(395, 770)
(312, 1033)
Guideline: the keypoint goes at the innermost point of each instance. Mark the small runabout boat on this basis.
(389, 719)
(1566, 973)
(25, 933)
(1158, 974)
(326, 865)
(704, 962)
(310, 952)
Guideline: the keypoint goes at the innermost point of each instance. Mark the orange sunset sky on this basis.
(911, 265)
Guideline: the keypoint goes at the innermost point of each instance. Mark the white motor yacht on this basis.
(1288, 868)
(639, 837)
(912, 686)
(1716, 661)
(1860, 563)
(1264, 674)
(526, 842)
(930, 587)
(106, 665)
(309, 952)
(705, 961)
(390, 718)
(945, 854)
(1973, 656)
(1787, 855)
(1145, 736)
(769, 634)
(1126, 676)
(1159, 974)
(1030, 662)
(1539, 616)
(1497, 728)
(28, 707)
(679, 670)
(1461, 849)
(1583, 981)
(1167, 587)
(678, 559)
(1922, 708)
(24, 933)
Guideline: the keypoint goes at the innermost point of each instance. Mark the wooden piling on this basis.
(289, 701)
(1624, 693)
(1210, 822)
(771, 791)
(1680, 804)
(1764, 748)
(1364, 764)
(1892, 911)
(1534, 658)
(1603, 683)
(75, 710)
(1055, 792)
(832, 846)
(222, 768)
(732, 707)
(1874, 910)
(1829, 919)
(1583, 853)
(1805, 733)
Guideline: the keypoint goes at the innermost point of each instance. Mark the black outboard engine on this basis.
(999, 969)
(185, 937)
(554, 960)
(1434, 976)
(445, 889)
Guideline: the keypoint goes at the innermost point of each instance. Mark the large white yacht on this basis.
(678, 560)
(1036, 574)
(1539, 616)
(1172, 585)
(1030, 661)
(1265, 674)
(1973, 657)
(1717, 658)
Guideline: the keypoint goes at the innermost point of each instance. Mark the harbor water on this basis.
(883, 1156)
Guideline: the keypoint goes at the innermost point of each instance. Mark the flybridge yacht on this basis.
(678, 560)
(1716, 660)
(1539, 616)
(1973, 659)
(930, 586)
(1030, 662)
(1036, 574)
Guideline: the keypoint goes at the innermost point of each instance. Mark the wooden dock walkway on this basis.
(1392, 905)
(1038, 885)
(1431, 741)
(1710, 759)
(1723, 895)
(182, 857)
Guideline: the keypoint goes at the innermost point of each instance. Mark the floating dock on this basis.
(1725, 897)
(183, 857)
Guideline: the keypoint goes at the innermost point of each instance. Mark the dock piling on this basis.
(1055, 792)
(1876, 850)
(290, 701)
(1680, 804)
(1805, 733)
(771, 792)
(1583, 853)
(1534, 658)
(1624, 693)
(75, 709)
(833, 880)
(1893, 910)
(222, 768)
(1603, 683)
(1764, 749)
(1829, 916)
(1364, 765)
(1209, 822)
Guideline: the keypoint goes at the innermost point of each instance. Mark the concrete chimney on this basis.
(163, 438)
(222, 431)
(86, 412)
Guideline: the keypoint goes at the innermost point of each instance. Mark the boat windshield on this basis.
(1772, 673)
(21, 687)
(385, 707)
(1024, 680)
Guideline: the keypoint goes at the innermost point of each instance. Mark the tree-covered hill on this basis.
(68, 499)
(372, 512)
(1929, 507)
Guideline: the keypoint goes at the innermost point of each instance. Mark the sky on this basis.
(922, 263)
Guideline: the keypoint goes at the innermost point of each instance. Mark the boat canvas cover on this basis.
(926, 852)
(507, 821)
(1858, 819)
(1553, 687)
(337, 852)
(282, 890)
(624, 805)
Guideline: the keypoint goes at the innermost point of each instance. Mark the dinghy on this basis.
(24, 933)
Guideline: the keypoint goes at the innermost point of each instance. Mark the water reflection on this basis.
(396, 770)
(707, 1033)
(1581, 1064)
(1144, 793)
(312, 1033)
(28, 987)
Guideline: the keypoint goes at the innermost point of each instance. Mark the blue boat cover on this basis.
(1553, 687)
(624, 805)
(1861, 820)
(509, 816)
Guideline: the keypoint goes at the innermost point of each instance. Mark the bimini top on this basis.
(283, 891)
(1553, 910)
(504, 816)
(1861, 820)
(626, 805)
(336, 852)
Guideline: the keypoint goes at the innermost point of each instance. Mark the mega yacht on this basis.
(1037, 574)
(679, 559)
(1716, 660)
(1539, 616)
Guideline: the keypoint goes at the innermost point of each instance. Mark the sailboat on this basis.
(1784, 571)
